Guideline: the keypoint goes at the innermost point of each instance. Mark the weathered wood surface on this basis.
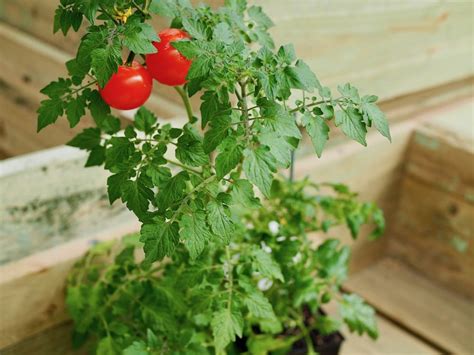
(435, 313)
(32, 289)
(433, 229)
(390, 47)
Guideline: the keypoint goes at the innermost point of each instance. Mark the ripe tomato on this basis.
(168, 66)
(129, 88)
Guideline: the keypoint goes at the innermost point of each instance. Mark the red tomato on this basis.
(168, 66)
(129, 88)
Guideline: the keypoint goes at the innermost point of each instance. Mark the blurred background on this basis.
(416, 55)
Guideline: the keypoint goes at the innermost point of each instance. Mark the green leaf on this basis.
(279, 119)
(210, 107)
(105, 62)
(301, 77)
(358, 315)
(287, 54)
(258, 305)
(114, 186)
(137, 348)
(48, 112)
(145, 120)
(190, 149)
(266, 265)
(333, 260)
(96, 156)
(138, 37)
(351, 124)
(196, 29)
(195, 232)
(280, 147)
(88, 139)
(160, 239)
(173, 191)
(218, 131)
(373, 114)
(75, 110)
(137, 196)
(118, 153)
(219, 220)
(159, 175)
(223, 33)
(242, 194)
(200, 67)
(259, 17)
(58, 88)
(106, 346)
(259, 166)
(226, 324)
(318, 130)
(229, 156)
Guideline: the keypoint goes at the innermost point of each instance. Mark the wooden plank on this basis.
(53, 341)
(433, 312)
(434, 224)
(390, 47)
(32, 289)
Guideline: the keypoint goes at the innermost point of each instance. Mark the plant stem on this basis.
(130, 58)
(187, 103)
(292, 166)
(102, 8)
(245, 109)
(185, 167)
(231, 278)
(142, 11)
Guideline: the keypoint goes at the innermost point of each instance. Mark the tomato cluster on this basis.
(131, 86)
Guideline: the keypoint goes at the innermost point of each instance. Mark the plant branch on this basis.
(186, 101)
(104, 11)
(185, 167)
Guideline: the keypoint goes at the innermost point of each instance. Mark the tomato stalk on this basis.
(186, 101)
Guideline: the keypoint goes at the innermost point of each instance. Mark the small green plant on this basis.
(255, 288)
(192, 187)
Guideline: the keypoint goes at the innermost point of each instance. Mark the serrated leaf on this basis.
(334, 260)
(159, 175)
(137, 196)
(105, 62)
(160, 239)
(75, 110)
(145, 120)
(358, 315)
(190, 149)
(226, 324)
(266, 265)
(242, 194)
(350, 121)
(58, 88)
(279, 146)
(229, 156)
(106, 346)
(223, 33)
(114, 186)
(200, 67)
(318, 130)
(209, 107)
(259, 17)
(279, 119)
(88, 139)
(173, 191)
(373, 114)
(219, 220)
(218, 131)
(258, 305)
(196, 29)
(302, 77)
(259, 166)
(138, 37)
(195, 232)
(137, 348)
(96, 156)
(118, 152)
(48, 112)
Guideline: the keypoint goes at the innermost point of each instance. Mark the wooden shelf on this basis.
(436, 314)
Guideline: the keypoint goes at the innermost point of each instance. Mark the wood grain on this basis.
(435, 313)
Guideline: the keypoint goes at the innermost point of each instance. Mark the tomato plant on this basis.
(128, 88)
(168, 65)
(226, 250)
